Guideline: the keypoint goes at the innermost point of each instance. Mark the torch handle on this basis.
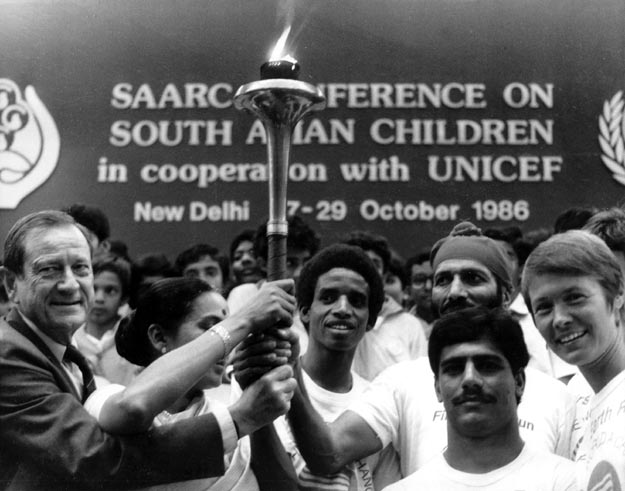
(276, 260)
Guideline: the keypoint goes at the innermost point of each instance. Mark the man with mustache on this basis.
(400, 407)
(478, 358)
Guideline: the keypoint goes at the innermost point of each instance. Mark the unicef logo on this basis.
(29, 143)
(612, 136)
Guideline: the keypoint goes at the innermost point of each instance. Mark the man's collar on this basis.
(58, 349)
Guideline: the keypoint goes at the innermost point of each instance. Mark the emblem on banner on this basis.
(612, 136)
(29, 143)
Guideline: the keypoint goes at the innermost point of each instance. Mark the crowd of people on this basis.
(492, 359)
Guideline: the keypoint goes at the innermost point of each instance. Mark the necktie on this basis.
(76, 357)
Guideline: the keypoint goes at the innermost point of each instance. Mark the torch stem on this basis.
(279, 104)
(278, 147)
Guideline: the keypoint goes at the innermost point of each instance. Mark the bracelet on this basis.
(224, 335)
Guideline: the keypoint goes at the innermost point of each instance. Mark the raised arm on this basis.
(170, 376)
(327, 448)
(58, 445)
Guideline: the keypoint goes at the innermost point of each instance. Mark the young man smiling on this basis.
(339, 297)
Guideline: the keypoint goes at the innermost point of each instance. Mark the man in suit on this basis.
(48, 440)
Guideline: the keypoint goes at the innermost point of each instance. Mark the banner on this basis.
(502, 113)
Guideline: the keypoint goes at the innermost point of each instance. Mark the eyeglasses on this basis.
(420, 281)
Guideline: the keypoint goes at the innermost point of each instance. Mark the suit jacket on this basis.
(49, 441)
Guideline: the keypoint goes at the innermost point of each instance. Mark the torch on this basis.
(279, 100)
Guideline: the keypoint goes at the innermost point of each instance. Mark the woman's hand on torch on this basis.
(272, 306)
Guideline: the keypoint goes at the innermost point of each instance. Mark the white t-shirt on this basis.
(397, 336)
(602, 451)
(532, 470)
(238, 476)
(373, 472)
(401, 407)
(582, 394)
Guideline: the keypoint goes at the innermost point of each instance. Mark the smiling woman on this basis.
(573, 285)
(577, 312)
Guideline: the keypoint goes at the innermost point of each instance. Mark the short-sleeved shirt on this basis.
(372, 472)
(532, 470)
(601, 455)
(401, 407)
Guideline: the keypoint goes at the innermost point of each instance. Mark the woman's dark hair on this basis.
(165, 302)
(474, 324)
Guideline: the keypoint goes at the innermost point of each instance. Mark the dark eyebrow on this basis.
(463, 359)
(474, 271)
(327, 289)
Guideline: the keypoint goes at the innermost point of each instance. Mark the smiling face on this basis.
(478, 389)
(208, 309)
(338, 315)
(461, 283)
(574, 316)
(55, 289)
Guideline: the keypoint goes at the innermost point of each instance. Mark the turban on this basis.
(467, 242)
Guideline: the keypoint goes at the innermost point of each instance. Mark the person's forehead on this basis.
(54, 240)
(244, 246)
(459, 266)
(421, 268)
(553, 284)
(202, 261)
(471, 349)
(107, 277)
(342, 278)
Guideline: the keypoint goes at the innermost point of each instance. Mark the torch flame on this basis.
(276, 54)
